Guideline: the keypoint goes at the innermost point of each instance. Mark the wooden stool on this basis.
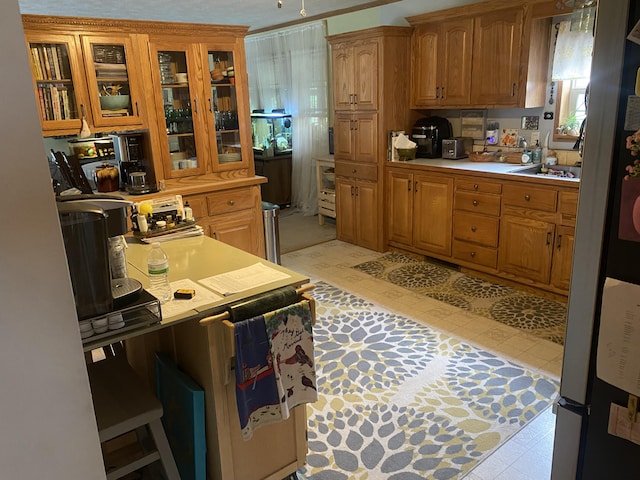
(123, 404)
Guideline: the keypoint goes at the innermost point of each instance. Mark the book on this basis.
(56, 62)
(35, 60)
(46, 64)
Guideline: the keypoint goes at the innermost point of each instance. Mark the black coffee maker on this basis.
(89, 223)
(428, 134)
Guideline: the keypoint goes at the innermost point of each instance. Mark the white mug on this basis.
(181, 78)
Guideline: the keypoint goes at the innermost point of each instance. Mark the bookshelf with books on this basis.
(58, 81)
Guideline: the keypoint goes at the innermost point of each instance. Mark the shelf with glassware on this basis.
(112, 80)
(202, 132)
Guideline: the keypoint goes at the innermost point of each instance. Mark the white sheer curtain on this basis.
(288, 69)
(574, 46)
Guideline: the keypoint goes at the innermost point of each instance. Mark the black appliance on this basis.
(428, 134)
(88, 223)
(594, 403)
(129, 150)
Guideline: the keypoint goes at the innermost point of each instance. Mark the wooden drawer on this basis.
(357, 170)
(198, 204)
(477, 202)
(485, 256)
(526, 196)
(480, 187)
(476, 228)
(230, 201)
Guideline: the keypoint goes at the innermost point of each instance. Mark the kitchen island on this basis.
(204, 353)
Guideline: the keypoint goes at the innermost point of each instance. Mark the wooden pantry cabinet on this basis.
(366, 63)
(445, 79)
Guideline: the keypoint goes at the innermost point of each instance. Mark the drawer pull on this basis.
(473, 229)
(475, 186)
(473, 254)
(232, 202)
(475, 203)
(354, 171)
(527, 197)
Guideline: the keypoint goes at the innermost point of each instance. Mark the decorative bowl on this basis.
(405, 154)
(114, 102)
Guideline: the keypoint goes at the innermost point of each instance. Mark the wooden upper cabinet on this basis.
(441, 63)
(113, 80)
(58, 81)
(497, 50)
(355, 75)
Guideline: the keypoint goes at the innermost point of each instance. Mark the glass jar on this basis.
(107, 178)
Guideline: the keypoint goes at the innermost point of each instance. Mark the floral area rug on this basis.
(401, 401)
(539, 316)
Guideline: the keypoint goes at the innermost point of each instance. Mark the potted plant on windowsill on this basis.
(570, 126)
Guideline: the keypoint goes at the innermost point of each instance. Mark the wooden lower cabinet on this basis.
(519, 231)
(420, 211)
(526, 247)
(231, 216)
(356, 203)
(563, 257)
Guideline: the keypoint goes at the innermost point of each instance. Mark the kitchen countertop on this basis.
(510, 169)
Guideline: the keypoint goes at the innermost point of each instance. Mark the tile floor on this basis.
(526, 456)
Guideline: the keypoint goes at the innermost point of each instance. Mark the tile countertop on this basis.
(484, 167)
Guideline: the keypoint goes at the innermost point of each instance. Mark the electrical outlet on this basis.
(535, 137)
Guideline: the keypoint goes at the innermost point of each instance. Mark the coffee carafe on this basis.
(92, 229)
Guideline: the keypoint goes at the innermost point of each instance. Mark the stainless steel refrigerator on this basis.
(583, 446)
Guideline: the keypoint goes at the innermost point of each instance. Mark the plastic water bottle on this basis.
(158, 268)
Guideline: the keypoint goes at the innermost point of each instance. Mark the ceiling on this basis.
(257, 14)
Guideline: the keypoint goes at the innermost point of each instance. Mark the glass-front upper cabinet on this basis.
(183, 136)
(112, 79)
(58, 82)
(225, 109)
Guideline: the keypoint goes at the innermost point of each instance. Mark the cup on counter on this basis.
(181, 78)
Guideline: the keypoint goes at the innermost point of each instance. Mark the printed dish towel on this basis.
(290, 333)
(257, 395)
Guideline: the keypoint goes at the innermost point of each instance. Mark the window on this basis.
(571, 109)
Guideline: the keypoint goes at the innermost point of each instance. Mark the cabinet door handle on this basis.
(408, 185)
(548, 238)
(210, 105)
(559, 242)
(356, 191)
(527, 197)
(437, 92)
(473, 229)
(475, 203)
(353, 189)
(195, 105)
(137, 109)
(416, 186)
(355, 98)
(355, 124)
(442, 92)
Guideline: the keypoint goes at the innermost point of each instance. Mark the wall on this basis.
(48, 426)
